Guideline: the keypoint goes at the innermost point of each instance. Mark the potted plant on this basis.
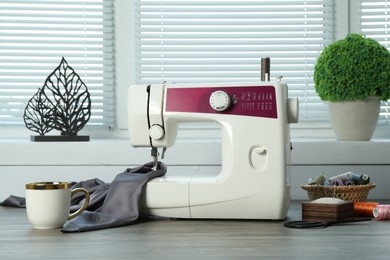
(353, 74)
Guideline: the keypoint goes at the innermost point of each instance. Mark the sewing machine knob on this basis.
(156, 132)
(220, 100)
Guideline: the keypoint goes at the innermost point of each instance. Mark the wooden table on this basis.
(195, 239)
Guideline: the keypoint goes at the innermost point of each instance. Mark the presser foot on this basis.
(155, 154)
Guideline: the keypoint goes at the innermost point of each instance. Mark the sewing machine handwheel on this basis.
(292, 110)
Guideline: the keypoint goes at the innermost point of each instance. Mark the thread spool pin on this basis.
(265, 69)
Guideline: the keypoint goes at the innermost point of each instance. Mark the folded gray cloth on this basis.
(97, 190)
(121, 203)
(14, 201)
(111, 204)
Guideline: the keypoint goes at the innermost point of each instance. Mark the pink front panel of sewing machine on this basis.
(257, 101)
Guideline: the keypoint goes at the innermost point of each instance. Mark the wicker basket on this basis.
(353, 193)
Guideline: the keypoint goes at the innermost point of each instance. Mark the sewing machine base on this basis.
(181, 202)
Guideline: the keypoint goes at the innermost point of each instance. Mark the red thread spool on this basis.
(364, 209)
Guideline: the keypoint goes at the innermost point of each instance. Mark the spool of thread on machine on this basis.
(381, 212)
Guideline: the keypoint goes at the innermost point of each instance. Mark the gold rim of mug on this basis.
(48, 185)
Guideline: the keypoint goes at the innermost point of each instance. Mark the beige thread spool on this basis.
(319, 180)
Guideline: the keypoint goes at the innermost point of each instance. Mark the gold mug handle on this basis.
(85, 205)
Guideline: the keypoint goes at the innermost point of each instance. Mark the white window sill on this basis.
(22, 152)
(333, 152)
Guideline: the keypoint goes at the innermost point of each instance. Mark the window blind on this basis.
(375, 23)
(224, 41)
(36, 34)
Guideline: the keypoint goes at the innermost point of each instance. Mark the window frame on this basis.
(87, 27)
(125, 75)
(109, 152)
(344, 24)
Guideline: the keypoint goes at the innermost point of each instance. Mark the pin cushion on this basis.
(352, 193)
(326, 209)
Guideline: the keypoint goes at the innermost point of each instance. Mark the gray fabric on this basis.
(14, 201)
(97, 191)
(111, 204)
(121, 201)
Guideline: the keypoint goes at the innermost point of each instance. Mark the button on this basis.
(156, 132)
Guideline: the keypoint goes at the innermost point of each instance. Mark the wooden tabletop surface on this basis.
(162, 238)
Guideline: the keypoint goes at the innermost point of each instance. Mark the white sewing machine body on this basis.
(254, 182)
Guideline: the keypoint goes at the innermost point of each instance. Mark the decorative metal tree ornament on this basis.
(63, 104)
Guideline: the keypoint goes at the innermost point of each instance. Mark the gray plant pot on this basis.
(355, 120)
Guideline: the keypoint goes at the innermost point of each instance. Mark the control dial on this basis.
(220, 100)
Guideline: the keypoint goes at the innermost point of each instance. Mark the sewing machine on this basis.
(254, 182)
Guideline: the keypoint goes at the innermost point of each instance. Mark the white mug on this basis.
(48, 203)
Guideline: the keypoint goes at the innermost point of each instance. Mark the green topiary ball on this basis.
(353, 68)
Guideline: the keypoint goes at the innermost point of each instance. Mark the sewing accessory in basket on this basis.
(347, 186)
